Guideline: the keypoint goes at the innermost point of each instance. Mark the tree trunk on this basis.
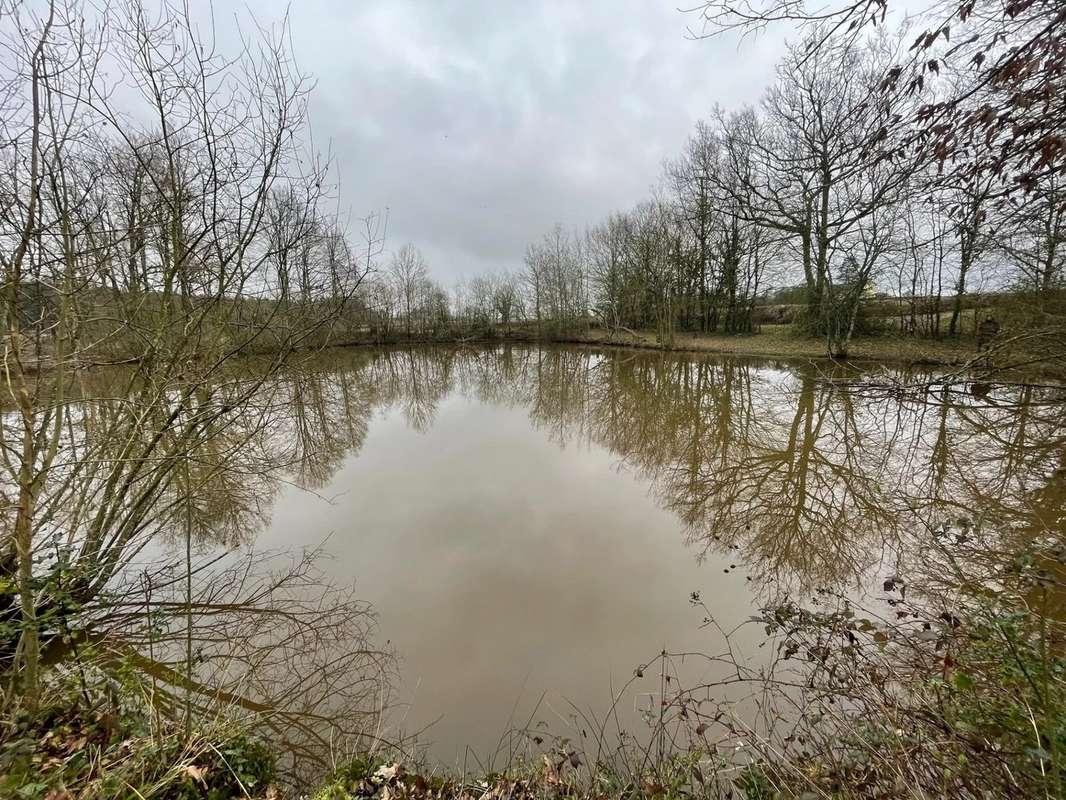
(960, 290)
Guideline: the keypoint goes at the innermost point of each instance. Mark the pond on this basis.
(532, 525)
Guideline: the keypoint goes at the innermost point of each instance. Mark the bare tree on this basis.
(152, 235)
(997, 79)
(409, 271)
(970, 201)
(506, 298)
(1034, 237)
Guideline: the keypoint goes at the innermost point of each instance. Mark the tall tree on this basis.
(409, 272)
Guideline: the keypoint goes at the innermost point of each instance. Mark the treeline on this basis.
(174, 216)
(875, 166)
(195, 222)
(401, 300)
(811, 188)
(813, 192)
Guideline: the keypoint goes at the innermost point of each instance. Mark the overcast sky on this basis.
(481, 123)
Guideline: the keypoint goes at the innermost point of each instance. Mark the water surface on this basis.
(530, 523)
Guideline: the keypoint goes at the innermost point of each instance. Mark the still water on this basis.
(530, 524)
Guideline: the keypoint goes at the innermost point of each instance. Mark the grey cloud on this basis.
(480, 124)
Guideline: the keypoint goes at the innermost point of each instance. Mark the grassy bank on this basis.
(778, 341)
(1027, 359)
(774, 341)
(257, 328)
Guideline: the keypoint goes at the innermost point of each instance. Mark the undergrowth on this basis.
(97, 736)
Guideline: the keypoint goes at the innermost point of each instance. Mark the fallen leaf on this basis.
(196, 773)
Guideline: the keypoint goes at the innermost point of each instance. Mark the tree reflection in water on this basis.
(815, 472)
(814, 475)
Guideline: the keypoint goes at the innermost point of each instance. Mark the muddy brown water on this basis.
(530, 524)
